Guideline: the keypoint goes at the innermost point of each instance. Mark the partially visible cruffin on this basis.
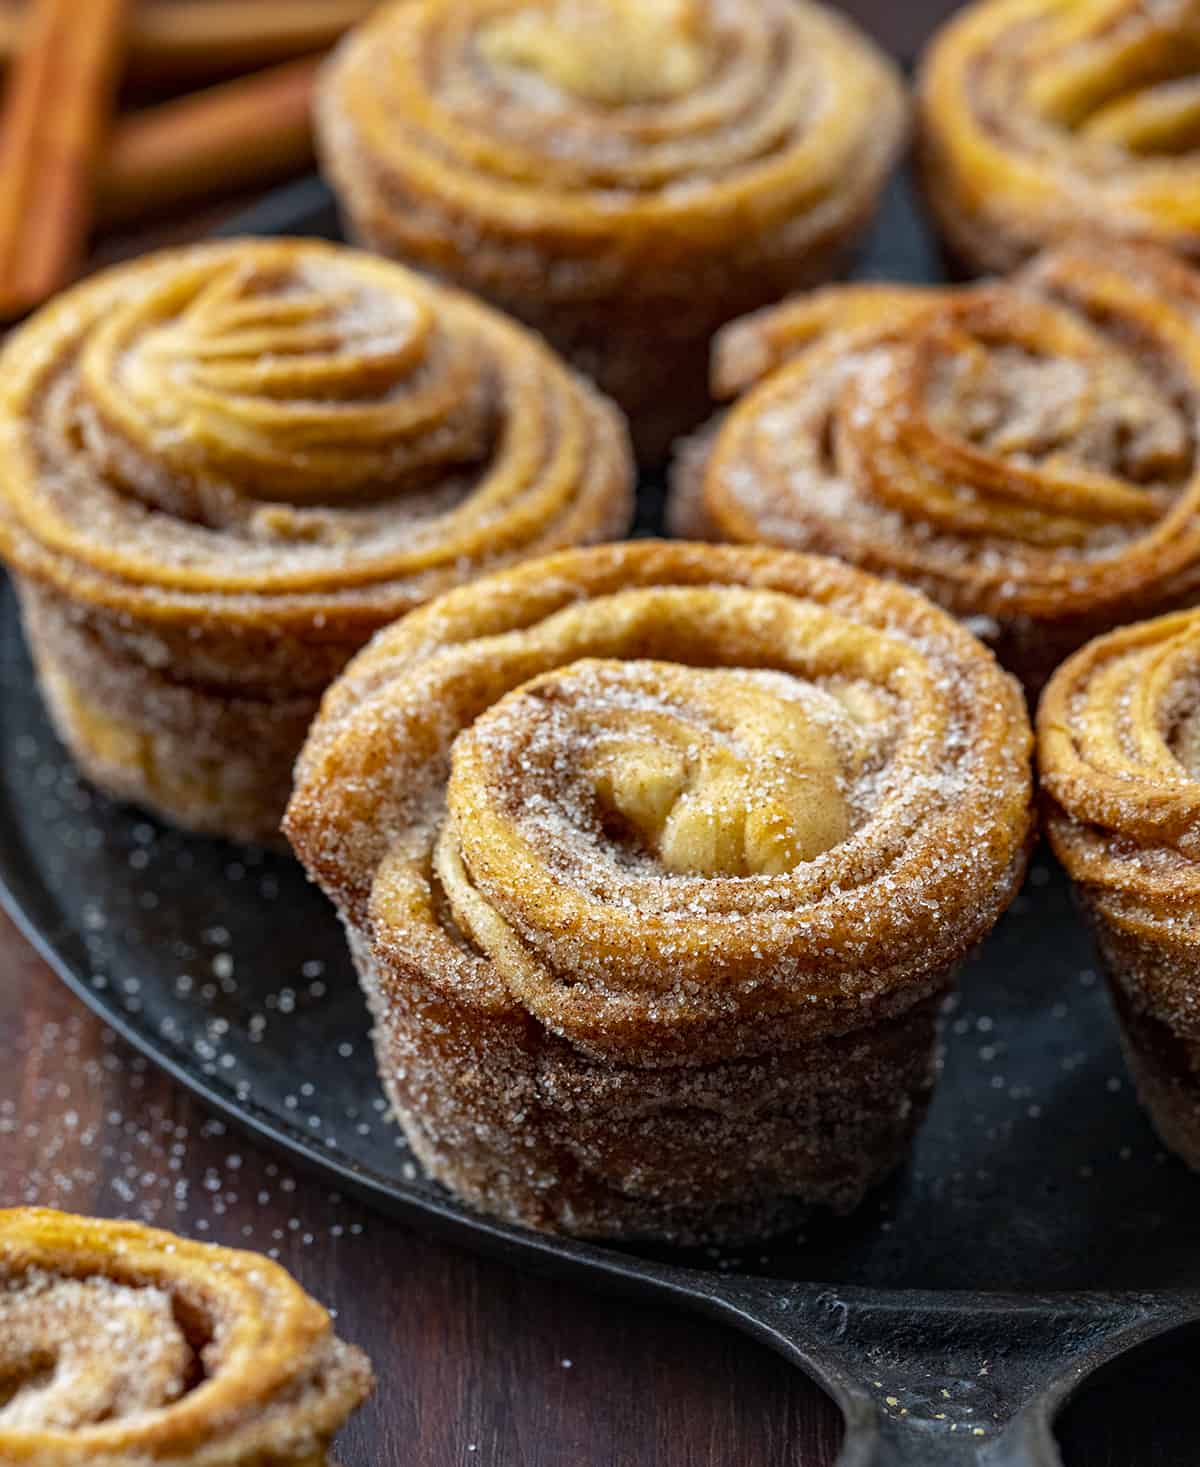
(123, 1345)
(1119, 761)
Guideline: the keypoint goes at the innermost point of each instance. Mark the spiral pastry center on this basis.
(611, 52)
(79, 1351)
(711, 772)
(1075, 405)
(1018, 420)
(288, 380)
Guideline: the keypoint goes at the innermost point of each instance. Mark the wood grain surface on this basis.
(477, 1364)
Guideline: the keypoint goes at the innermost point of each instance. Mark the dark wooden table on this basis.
(477, 1364)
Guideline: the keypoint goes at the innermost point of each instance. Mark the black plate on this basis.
(1035, 1176)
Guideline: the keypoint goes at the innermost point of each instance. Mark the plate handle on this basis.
(946, 1380)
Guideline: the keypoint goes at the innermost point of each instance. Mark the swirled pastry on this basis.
(222, 468)
(624, 175)
(1119, 754)
(122, 1345)
(1044, 118)
(656, 861)
(1024, 451)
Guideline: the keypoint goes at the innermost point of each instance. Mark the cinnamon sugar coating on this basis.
(223, 467)
(1119, 756)
(656, 861)
(1024, 450)
(1041, 120)
(122, 1345)
(624, 175)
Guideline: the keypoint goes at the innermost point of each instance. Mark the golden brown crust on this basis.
(1023, 451)
(593, 166)
(1119, 756)
(672, 825)
(1039, 120)
(121, 1344)
(222, 468)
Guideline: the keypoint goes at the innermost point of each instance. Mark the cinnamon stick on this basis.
(243, 133)
(179, 41)
(52, 129)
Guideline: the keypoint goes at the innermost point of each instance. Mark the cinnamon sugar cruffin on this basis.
(1119, 756)
(625, 175)
(641, 962)
(223, 467)
(1041, 120)
(122, 1345)
(1024, 451)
